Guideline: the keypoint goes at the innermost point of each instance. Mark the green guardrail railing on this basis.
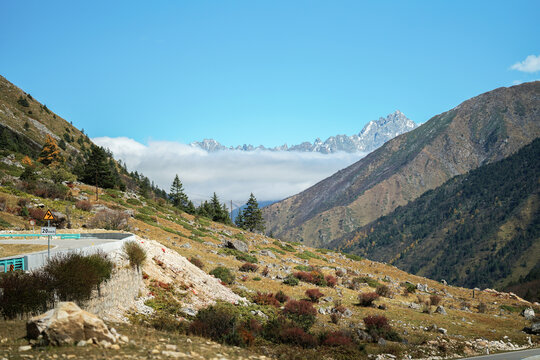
(61, 236)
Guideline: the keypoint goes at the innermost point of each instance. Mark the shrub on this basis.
(197, 262)
(109, 220)
(409, 288)
(339, 273)
(281, 297)
(265, 271)
(216, 322)
(3, 203)
(301, 312)
(314, 295)
(331, 281)
(367, 299)
(336, 338)
(74, 276)
(297, 336)
(265, 299)
(84, 205)
(384, 291)
(335, 317)
(313, 277)
(482, 308)
(240, 255)
(24, 293)
(378, 327)
(291, 280)
(303, 267)
(223, 274)
(50, 191)
(248, 267)
(135, 254)
(366, 280)
(257, 278)
(435, 300)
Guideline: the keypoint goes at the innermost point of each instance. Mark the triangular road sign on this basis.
(48, 215)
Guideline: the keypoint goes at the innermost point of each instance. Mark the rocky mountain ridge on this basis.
(484, 129)
(373, 135)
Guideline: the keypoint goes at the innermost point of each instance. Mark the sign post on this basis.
(49, 231)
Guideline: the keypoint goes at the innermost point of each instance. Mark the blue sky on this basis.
(260, 72)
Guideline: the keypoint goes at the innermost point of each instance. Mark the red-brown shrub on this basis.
(378, 321)
(301, 312)
(248, 267)
(378, 327)
(337, 338)
(197, 262)
(313, 277)
(281, 297)
(335, 317)
(297, 336)
(339, 273)
(435, 300)
(265, 299)
(83, 205)
(330, 280)
(265, 271)
(314, 295)
(367, 299)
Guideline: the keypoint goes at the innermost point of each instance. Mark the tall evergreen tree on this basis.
(178, 198)
(251, 216)
(97, 169)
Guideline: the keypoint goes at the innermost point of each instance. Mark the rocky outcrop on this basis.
(67, 324)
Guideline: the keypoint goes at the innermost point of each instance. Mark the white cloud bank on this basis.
(232, 174)
(531, 64)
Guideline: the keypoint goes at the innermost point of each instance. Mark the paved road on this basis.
(57, 244)
(531, 354)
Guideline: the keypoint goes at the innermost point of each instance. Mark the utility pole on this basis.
(97, 189)
(231, 212)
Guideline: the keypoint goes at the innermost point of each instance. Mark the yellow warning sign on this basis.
(48, 215)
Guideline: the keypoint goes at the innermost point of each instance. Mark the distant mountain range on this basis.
(372, 136)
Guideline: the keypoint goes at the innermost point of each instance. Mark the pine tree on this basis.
(97, 169)
(251, 217)
(178, 198)
(50, 152)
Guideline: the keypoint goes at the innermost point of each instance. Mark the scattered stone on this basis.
(170, 347)
(268, 253)
(442, 330)
(186, 246)
(81, 343)
(347, 313)
(440, 310)
(422, 287)
(68, 324)
(528, 314)
(173, 354)
(115, 347)
(236, 244)
(415, 306)
(534, 329)
(25, 348)
(189, 311)
(381, 342)
(444, 282)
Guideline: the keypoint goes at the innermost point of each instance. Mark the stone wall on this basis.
(118, 295)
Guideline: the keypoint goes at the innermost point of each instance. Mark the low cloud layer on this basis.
(270, 175)
(531, 64)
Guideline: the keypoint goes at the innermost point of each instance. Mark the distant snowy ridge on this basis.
(373, 135)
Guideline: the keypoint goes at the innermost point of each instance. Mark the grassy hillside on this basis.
(478, 229)
(481, 130)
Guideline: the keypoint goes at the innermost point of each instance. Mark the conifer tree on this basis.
(251, 216)
(50, 152)
(178, 198)
(97, 170)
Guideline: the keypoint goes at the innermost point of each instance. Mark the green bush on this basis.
(135, 202)
(24, 294)
(135, 254)
(353, 257)
(301, 312)
(291, 280)
(240, 255)
(74, 276)
(223, 274)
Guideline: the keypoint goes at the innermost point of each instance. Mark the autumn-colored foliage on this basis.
(27, 161)
(50, 153)
(314, 295)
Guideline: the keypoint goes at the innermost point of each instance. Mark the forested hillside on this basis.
(478, 229)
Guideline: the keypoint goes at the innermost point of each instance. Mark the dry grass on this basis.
(7, 250)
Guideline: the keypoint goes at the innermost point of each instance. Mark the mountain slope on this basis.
(478, 229)
(486, 128)
(25, 124)
(372, 136)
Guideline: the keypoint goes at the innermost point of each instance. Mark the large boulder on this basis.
(237, 245)
(67, 324)
(528, 314)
